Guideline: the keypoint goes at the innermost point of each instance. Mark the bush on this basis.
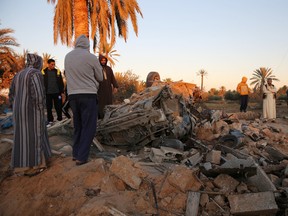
(232, 95)
(214, 97)
(281, 97)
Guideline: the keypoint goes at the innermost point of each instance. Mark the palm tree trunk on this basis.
(80, 16)
(202, 82)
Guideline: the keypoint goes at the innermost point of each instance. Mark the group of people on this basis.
(90, 85)
(269, 98)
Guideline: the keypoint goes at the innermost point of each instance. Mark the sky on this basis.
(226, 38)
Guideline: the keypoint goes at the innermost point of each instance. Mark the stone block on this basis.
(226, 183)
(214, 157)
(262, 203)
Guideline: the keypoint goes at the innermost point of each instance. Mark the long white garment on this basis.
(269, 103)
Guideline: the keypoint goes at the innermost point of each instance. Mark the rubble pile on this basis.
(219, 160)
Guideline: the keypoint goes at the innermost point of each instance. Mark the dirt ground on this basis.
(66, 189)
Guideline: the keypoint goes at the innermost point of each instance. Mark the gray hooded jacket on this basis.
(83, 70)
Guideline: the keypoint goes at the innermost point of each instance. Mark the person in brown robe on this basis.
(107, 87)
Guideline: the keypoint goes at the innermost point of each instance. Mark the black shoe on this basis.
(79, 163)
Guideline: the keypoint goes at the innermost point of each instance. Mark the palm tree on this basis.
(7, 55)
(202, 73)
(260, 76)
(76, 17)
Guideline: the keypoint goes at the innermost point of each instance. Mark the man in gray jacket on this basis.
(83, 74)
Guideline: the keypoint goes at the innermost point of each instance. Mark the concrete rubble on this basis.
(186, 161)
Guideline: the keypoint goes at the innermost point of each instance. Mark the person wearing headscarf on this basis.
(152, 77)
(83, 74)
(31, 148)
(107, 87)
(243, 90)
(269, 100)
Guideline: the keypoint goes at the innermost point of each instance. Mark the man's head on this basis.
(51, 64)
(102, 60)
(269, 81)
(244, 79)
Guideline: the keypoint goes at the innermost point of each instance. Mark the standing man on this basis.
(31, 148)
(269, 100)
(107, 87)
(54, 87)
(83, 74)
(243, 90)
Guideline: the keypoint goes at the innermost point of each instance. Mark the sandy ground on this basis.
(66, 189)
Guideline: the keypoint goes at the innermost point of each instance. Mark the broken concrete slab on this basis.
(124, 169)
(261, 180)
(262, 203)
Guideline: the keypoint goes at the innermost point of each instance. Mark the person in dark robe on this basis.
(31, 148)
(107, 87)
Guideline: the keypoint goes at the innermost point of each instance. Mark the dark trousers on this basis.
(85, 112)
(50, 100)
(243, 103)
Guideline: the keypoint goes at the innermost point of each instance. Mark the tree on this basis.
(202, 73)
(260, 76)
(213, 91)
(222, 90)
(167, 80)
(128, 84)
(6, 51)
(97, 18)
(107, 50)
(8, 61)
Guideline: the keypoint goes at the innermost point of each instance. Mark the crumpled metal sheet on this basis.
(157, 112)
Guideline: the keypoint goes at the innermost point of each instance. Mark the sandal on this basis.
(33, 172)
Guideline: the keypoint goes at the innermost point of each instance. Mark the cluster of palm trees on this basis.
(258, 79)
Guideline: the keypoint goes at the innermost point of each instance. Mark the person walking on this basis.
(54, 87)
(107, 87)
(31, 149)
(269, 100)
(83, 74)
(243, 90)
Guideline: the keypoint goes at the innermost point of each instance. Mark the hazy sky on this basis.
(227, 38)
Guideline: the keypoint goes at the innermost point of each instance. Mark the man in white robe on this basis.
(269, 100)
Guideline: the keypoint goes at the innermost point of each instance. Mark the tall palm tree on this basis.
(260, 76)
(202, 73)
(76, 17)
